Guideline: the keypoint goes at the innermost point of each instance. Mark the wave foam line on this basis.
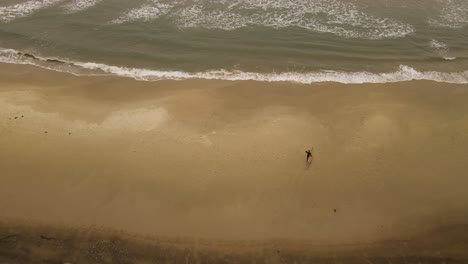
(80, 5)
(404, 73)
(341, 18)
(145, 12)
(12, 12)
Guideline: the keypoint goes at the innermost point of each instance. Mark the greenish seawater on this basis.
(307, 40)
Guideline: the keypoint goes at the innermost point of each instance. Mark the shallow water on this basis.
(308, 40)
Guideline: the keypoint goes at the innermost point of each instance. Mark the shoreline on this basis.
(403, 73)
(224, 160)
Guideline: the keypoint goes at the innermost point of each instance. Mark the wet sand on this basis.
(219, 160)
(26, 243)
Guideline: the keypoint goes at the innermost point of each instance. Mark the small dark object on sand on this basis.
(334, 210)
(22, 116)
(7, 238)
(47, 238)
(45, 132)
(16, 117)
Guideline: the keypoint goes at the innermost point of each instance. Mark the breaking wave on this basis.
(404, 73)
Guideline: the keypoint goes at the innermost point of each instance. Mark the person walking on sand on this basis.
(309, 157)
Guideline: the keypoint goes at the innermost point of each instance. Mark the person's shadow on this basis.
(309, 162)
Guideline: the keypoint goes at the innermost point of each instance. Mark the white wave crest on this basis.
(404, 73)
(145, 12)
(80, 5)
(12, 12)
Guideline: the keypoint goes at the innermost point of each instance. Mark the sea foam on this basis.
(146, 12)
(442, 49)
(454, 14)
(329, 16)
(80, 5)
(12, 12)
(438, 45)
(404, 73)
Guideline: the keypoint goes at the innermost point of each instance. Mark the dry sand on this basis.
(225, 160)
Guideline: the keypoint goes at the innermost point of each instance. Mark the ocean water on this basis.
(348, 41)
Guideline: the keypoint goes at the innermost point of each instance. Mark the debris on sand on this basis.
(47, 238)
(8, 238)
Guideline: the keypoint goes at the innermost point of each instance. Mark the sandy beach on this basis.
(225, 161)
